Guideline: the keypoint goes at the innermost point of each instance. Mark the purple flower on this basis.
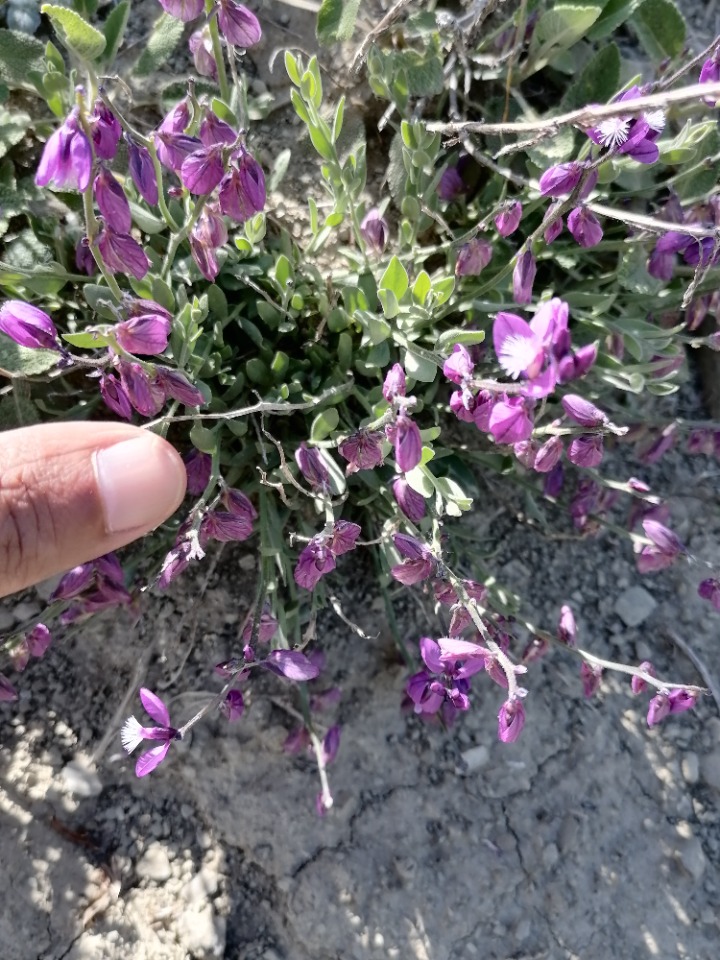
(426, 694)
(140, 390)
(710, 590)
(331, 745)
(28, 325)
(658, 708)
(583, 412)
(122, 253)
(710, 73)
(226, 527)
(524, 277)
(509, 421)
(548, 455)
(567, 628)
(555, 224)
(237, 24)
(561, 180)
(666, 546)
(312, 467)
(637, 684)
(519, 346)
(585, 227)
(233, 705)
(66, 161)
(112, 202)
(105, 130)
(113, 393)
(266, 629)
(451, 185)
(362, 450)
(242, 190)
(177, 560)
(344, 537)
(473, 257)
(418, 563)
(681, 700)
(292, 664)
(198, 467)
(511, 720)
(586, 450)
(374, 230)
(215, 131)
(38, 640)
(208, 235)
(185, 10)
(404, 435)
(174, 148)
(201, 48)
(313, 563)
(8, 693)
(554, 482)
(459, 365)
(410, 501)
(133, 734)
(633, 136)
(526, 451)
(178, 118)
(576, 364)
(484, 405)
(463, 404)
(591, 677)
(508, 220)
(394, 385)
(143, 335)
(176, 385)
(203, 170)
(142, 172)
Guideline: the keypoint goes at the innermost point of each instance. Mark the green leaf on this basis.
(25, 361)
(20, 55)
(442, 290)
(598, 82)
(421, 287)
(76, 34)
(336, 20)
(446, 341)
(54, 57)
(279, 169)
(114, 30)
(389, 302)
(13, 127)
(86, 341)
(324, 424)
(660, 28)
(557, 30)
(17, 411)
(291, 66)
(614, 14)
(165, 36)
(395, 278)
(418, 366)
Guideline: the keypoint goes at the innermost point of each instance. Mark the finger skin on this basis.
(52, 514)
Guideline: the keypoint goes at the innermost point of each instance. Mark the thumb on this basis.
(71, 492)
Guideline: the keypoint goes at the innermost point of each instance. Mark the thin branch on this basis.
(387, 21)
(652, 223)
(709, 679)
(687, 67)
(588, 116)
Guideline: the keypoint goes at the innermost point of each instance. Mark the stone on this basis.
(690, 767)
(154, 864)
(79, 778)
(710, 768)
(475, 758)
(203, 886)
(634, 606)
(202, 933)
(692, 857)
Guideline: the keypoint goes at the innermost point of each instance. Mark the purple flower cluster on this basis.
(665, 701)
(318, 557)
(92, 586)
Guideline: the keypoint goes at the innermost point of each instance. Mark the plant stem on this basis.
(218, 54)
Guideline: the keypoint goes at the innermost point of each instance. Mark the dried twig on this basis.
(387, 21)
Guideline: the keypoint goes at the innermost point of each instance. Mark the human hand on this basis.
(71, 492)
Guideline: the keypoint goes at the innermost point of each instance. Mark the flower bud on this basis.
(473, 257)
(106, 131)
(511, 720)
(549, 455)
(233, 705)
(405, 437)
(524, 277)
(238, 25)
(202, 170)
(185, 10)
(554, 228)
(122, 253)
(586, 450)
(142, 393)
(567, 628)
(410, 501)
(38, 640)
(215, 131)
(145, 335)
(637, 684)
(395, 383)
(113, 393)
(583, 412)
(591, 676)
(658, 708)
(66, 161)
(8, 693)
(560, 180)
(374, 230)
(28, 325)
(459, 365)
(198, 467)
(242, 190)
(508, 220)
(585, 227)
(509, 421)
(312, 467)
(201, 48)
(142, 172)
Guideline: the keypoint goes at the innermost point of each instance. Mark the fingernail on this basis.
(140, 481)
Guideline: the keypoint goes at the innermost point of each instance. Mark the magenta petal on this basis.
(509, 325)
(153, 758)
(430, 652)
(154, 707)
(291, 664)
(453, 647)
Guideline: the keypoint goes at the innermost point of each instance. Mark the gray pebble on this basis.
(476, 758)
(690, 767)
(80, 779)
(711, 769)
(155, 864)
(692, 857)
(634, 606)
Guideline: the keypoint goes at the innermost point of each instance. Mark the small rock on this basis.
(634, 606)
(692, 857)
(690, 767)
(476, 758)
(202, 933)
(6, 619)
(26, 610)
(203, 886)
(551, 855)
(80, 779)
(711, 769)
(155, 864)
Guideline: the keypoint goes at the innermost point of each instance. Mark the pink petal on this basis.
(508, 325)
(154, 707)
(153, 758)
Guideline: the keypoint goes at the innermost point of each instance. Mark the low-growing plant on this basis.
(334, 391)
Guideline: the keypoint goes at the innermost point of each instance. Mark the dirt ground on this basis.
(591, 838)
